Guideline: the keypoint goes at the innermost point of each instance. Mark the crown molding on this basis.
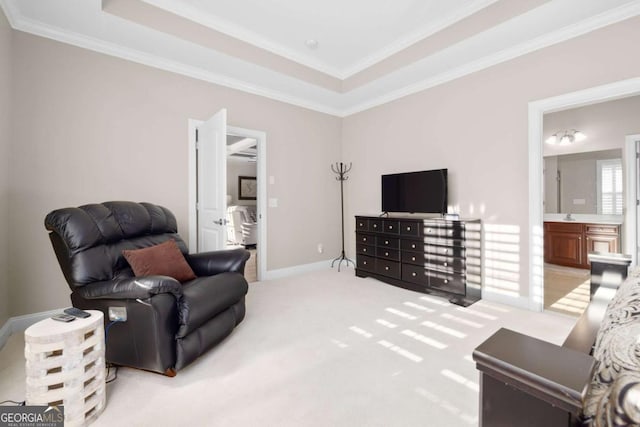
(609, 17)
(21, 23)
(413, 38)
(185, 11)
(374, 94)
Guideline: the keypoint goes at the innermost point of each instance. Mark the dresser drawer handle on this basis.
(364, 249)
(413, 246)
(450, 232)
(413, 258)
(428, 230)
(445, 264)
(364, 239)
(386, 242)
(386, 268)
(414, 274)
(364, 262)
(361, 224)
(375, 225)
(408, 228)
(446, 281)
(445, 250)
(386, 254)
(391, 227)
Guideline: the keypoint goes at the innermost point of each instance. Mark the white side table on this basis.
(66, 366)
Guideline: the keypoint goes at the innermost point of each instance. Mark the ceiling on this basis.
(351, 35)
(369, 52)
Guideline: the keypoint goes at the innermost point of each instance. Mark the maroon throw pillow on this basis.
(164, 259)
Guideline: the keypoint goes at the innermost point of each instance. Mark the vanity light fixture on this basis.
(566, 137)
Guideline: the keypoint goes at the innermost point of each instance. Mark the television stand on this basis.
(431, 255)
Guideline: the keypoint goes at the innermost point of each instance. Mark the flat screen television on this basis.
(415, 192)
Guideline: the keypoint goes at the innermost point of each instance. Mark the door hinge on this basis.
(196, 135)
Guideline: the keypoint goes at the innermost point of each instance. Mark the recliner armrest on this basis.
(131, 288)
(212, 263)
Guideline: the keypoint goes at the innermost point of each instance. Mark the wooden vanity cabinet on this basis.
(568, 243)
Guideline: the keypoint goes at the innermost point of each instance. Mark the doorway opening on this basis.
(537, 110)
(240, 189)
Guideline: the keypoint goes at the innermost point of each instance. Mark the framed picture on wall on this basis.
(247, 188)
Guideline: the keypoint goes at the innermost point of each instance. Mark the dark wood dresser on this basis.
(426, 255)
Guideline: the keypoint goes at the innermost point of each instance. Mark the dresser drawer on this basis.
(366, 263)
(365, 239)
(365, 249)
(362, 224)
(411, 245)
(446, 263)
(415, 258)
(415, 274)
(452, 230)
(390, 226)
(453, 283)
(388, 268)
(410, 228)
(388, 242)
(375, 225)
(386, 253)
(455, 251)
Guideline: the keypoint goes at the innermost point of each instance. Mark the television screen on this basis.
(420, 192)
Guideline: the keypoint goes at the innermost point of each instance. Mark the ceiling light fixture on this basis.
(311, 44)
(566, 137)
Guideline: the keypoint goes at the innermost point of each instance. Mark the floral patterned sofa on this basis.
(613, 396)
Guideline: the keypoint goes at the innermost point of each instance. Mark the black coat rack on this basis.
(341, 170)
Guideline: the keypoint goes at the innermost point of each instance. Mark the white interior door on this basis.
(211, 148)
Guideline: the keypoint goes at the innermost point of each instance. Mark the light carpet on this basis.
(321, 349)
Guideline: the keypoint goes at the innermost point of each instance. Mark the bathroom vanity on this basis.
(567, 242)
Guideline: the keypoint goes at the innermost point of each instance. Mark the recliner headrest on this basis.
(97, 224)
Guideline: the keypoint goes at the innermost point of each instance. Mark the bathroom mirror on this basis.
(584, 183)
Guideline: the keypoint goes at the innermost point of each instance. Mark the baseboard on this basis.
(20, 323)
(299, 269)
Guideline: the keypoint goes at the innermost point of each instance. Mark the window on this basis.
(610, 187)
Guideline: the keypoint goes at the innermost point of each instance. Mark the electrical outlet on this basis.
(118, 314)
(320, 248)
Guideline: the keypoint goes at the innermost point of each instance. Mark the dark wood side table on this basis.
(525, 381)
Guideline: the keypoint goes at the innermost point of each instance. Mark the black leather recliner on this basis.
(169, 324)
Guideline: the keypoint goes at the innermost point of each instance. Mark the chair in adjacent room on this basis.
(171, 306)
(243, 225)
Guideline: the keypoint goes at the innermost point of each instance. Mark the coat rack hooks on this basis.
(341, 170)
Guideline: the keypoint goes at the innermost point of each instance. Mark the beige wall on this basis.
(96, 128)
(5, 137)
(477, 127)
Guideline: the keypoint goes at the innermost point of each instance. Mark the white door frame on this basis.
(537, 109)
(631, 195)
(261, 166)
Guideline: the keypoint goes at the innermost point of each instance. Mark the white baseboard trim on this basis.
(20, 323)
(299, 269)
